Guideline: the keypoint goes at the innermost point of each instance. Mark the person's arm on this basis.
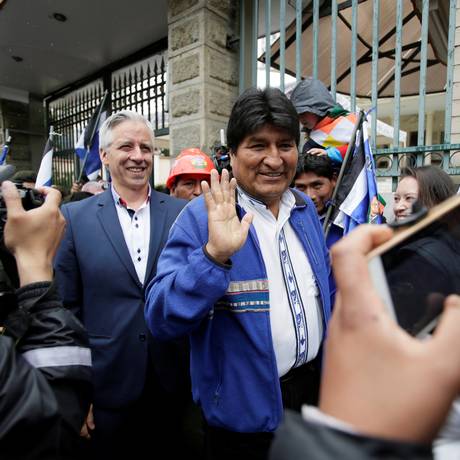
(193, 274)
(48, 337)
(299, 438)
(377, 378)
(383, 394)
(336, 154)
(28, 408)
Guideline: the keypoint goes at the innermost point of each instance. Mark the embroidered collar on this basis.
(288, 199)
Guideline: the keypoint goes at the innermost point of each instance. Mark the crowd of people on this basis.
(210, 322)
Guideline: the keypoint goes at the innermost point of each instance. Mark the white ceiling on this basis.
(96, 34)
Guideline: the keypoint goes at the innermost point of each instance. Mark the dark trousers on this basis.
(151, 424)
(299, 386)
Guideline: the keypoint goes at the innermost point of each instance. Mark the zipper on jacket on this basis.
(216, 397)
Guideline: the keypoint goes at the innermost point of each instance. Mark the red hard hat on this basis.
(190, 161)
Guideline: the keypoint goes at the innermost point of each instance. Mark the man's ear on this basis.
(334, 179)
(103, 156)
(231, 155)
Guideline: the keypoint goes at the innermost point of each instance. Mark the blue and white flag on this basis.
(87, 145)
(5, 150)
(357, 199)
(45, 173)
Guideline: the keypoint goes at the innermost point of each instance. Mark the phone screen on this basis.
(415, 276)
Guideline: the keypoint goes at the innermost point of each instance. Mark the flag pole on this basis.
(50, 136)
(90, 140)
(348, 155)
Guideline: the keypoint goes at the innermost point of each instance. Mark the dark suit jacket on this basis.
(98, 281)
(299, 439)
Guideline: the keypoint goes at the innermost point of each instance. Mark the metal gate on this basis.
(367, 49)
(140, 86)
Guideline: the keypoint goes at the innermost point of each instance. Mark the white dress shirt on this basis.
(136, 230)
(295, 309)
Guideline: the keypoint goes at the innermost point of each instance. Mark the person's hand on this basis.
(376, 377)
(33, 236)
(88, 424)
(76, 187)
(226, 232)
(317, 151)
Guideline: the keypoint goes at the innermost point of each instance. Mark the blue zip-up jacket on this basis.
(226, 311)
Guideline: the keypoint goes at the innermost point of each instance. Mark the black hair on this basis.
(321, 165)
(256, 108)
(434, 184)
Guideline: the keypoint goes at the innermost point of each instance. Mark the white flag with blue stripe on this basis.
(45, 173)
(4, 153)
(358, 188)
(87, 145)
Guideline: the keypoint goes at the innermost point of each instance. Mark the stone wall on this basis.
(26, 128)
(203, 72)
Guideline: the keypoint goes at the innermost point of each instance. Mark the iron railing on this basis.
(326, 20)
(139, 86)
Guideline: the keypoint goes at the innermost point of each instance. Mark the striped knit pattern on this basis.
(243, 296)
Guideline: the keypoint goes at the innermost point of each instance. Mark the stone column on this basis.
(22, 114)
(203, 71)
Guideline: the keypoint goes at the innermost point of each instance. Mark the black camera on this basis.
(221, 157)
(30, 199)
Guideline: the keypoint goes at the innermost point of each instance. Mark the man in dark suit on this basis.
(108, 255)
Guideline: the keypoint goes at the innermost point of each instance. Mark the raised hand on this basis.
(33, 236)
(317, 151)
(226, 232)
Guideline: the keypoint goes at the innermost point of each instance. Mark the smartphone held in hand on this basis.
(419, 267)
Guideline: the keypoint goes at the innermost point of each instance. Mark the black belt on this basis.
(301, 385)
(300, 371)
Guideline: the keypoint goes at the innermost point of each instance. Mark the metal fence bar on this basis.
(163, 91)
(282, 43)
(315, 37)
(241, 44)
(375, 69)
(418, 149)
(418, 155)
(298, 40)
(423, 66)
(133, 88)
(397, 84)
(354, 33)
(255, 33)
(334, 48)
(450, 72)
(268, 21)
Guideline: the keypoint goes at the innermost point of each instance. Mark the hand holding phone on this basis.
(419, 267)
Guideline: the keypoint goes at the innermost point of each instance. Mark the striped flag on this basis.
(87, 146)
(358, 188)
(45, 173)
(5, 149)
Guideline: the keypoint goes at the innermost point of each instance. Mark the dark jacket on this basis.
(97, 280)
(45, 378)
(297, 439)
